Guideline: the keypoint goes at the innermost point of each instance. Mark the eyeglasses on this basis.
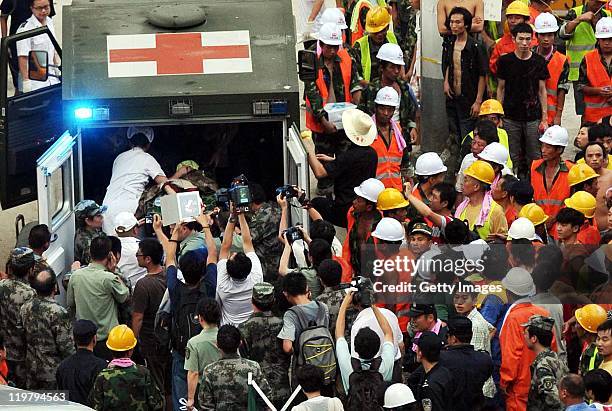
(140, 255)
(42, 8)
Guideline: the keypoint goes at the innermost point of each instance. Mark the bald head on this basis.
(573, 387)
(44, 282)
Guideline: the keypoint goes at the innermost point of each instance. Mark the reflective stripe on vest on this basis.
(485, 230)
(366, 61)
(346, 65)
(596, 107)
(555, 68)
(582, 41)
(388, 170)
(551, 201)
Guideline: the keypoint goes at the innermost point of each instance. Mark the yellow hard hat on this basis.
(590, 317)
(391, 199)
(491, 106)
(121, 338)
(518, 8)
(481, 171)
(583, 202)
(377, 19)
(533, 213)
(580, 173)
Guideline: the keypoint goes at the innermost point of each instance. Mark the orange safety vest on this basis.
(555, 67)
(589, 234)
(552, 201)
(596, 107)
(360, 29)
(346, 65)
(389, 162)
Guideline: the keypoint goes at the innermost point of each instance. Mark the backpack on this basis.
(315, 345)
(163, 324)
(366, 387)
(185, 322)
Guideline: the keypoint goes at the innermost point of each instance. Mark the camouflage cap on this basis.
(541, 322)
(88, 208)
(263, 293)
(22, 257)
(421, 228)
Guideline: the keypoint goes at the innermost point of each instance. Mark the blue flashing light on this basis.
(83, 113)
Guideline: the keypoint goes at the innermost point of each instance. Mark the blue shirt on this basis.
(579, 407)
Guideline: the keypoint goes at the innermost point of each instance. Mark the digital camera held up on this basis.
(293, 233)
(222, 198)
(364, 296)
(287, 191)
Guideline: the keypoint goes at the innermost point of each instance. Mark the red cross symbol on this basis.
(179, 53)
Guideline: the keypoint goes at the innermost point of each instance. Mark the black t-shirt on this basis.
(521, 101)
(19, 12)
(148, 293)
(349, 170)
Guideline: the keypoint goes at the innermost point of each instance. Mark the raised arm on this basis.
(247, 240)
(283, 266)
(228, 236)
(205, 221)
(341, 320)
(423, 208)
(384, 324)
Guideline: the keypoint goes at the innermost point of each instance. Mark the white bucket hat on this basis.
(359, 127)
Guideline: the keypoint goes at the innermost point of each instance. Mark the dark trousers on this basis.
(460, 123)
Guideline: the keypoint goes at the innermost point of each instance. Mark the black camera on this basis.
(222, 198)
(287, 191)
(238, 193)
(293, 233)
(364, 296)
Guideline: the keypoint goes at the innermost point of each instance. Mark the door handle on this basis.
(35, 108)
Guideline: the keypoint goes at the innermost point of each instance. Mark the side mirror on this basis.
(307, 65)
(38, 65)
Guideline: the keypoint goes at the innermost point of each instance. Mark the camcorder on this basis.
(293, 233)
(288, 192)
(238, 193)
(364, 296)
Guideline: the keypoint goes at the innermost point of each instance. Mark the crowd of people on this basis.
(479, 281)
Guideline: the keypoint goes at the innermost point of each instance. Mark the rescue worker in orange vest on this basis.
(390, 234)
(586, 204)
(500, 191)
(557, 85)
(549, 174)
(482, 213)
(362, 219)
(538, 217)
(582, 177)
(389, 144)
(594, 77)
(337, 81)
(392, 203)
(429, 170)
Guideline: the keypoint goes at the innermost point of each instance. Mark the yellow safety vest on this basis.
(581, 43)
(485, 230)
(366, 61)
(502, 136)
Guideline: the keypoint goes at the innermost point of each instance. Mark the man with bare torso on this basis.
(475, 7)
(595, 158)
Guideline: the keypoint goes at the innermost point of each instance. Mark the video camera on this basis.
(293, 233)
(238, 193)
(364, 296)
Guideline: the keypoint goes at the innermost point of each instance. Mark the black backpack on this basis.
(185, 322)
(366, 387)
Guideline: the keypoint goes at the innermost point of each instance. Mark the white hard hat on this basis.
(330, 34)
(603, 29)
(370, 189)
(387, 96)
(389, 229)
(392, 53)
(429, 164)
(556, 135)
(124, 222)
(335, 16)
(146, 131)
(522, 228)
(495, 152)
(397, 395)
(546, 23)
(518, 281)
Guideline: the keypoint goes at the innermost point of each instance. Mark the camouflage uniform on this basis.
(332, 297)
(48, 335)
(84, 235)
(225, 383)
(406, 30)
(264, 230)
(131, 388)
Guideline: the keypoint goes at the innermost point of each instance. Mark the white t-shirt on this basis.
(366, 318)
(38, 43)
(128, 263)
(235, 296)
(132, 170)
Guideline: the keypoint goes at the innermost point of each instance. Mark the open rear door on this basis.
(298, 173)
(55, 175)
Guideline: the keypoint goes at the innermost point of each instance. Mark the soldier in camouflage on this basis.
(404, 26)
(48, 333)
(89, 220)
(546, 370)
(259, 343)
(124, 385)
(14, 293)
(225, 383)
(264, 225)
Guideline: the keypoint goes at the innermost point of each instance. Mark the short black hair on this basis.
(599, 382)
(367, 343)
(552, 255)
(447, 193)
(319, 250)
(44, 282)
(139, 140)
(605, 326)
(310, 377)
(521, 191)
(487, 131)
(544, 336)
(228, 339)
(330, 272)
(100, 247)
(193, 225)
(115, 245)
(192, 265)
(84, 339)
(456, 232)
(239, 266)
(495, 263)
(570, 216)
(39, 236)
(467, 17)
(431, 353)
(258, 194)
(461, 333)
(522, 28)
(508, 181)
(295, 284)
(322, 229)
(573, 384)
(523, 251)
(209, 310)
(150, 247)
(544, 276)
(599, 131)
